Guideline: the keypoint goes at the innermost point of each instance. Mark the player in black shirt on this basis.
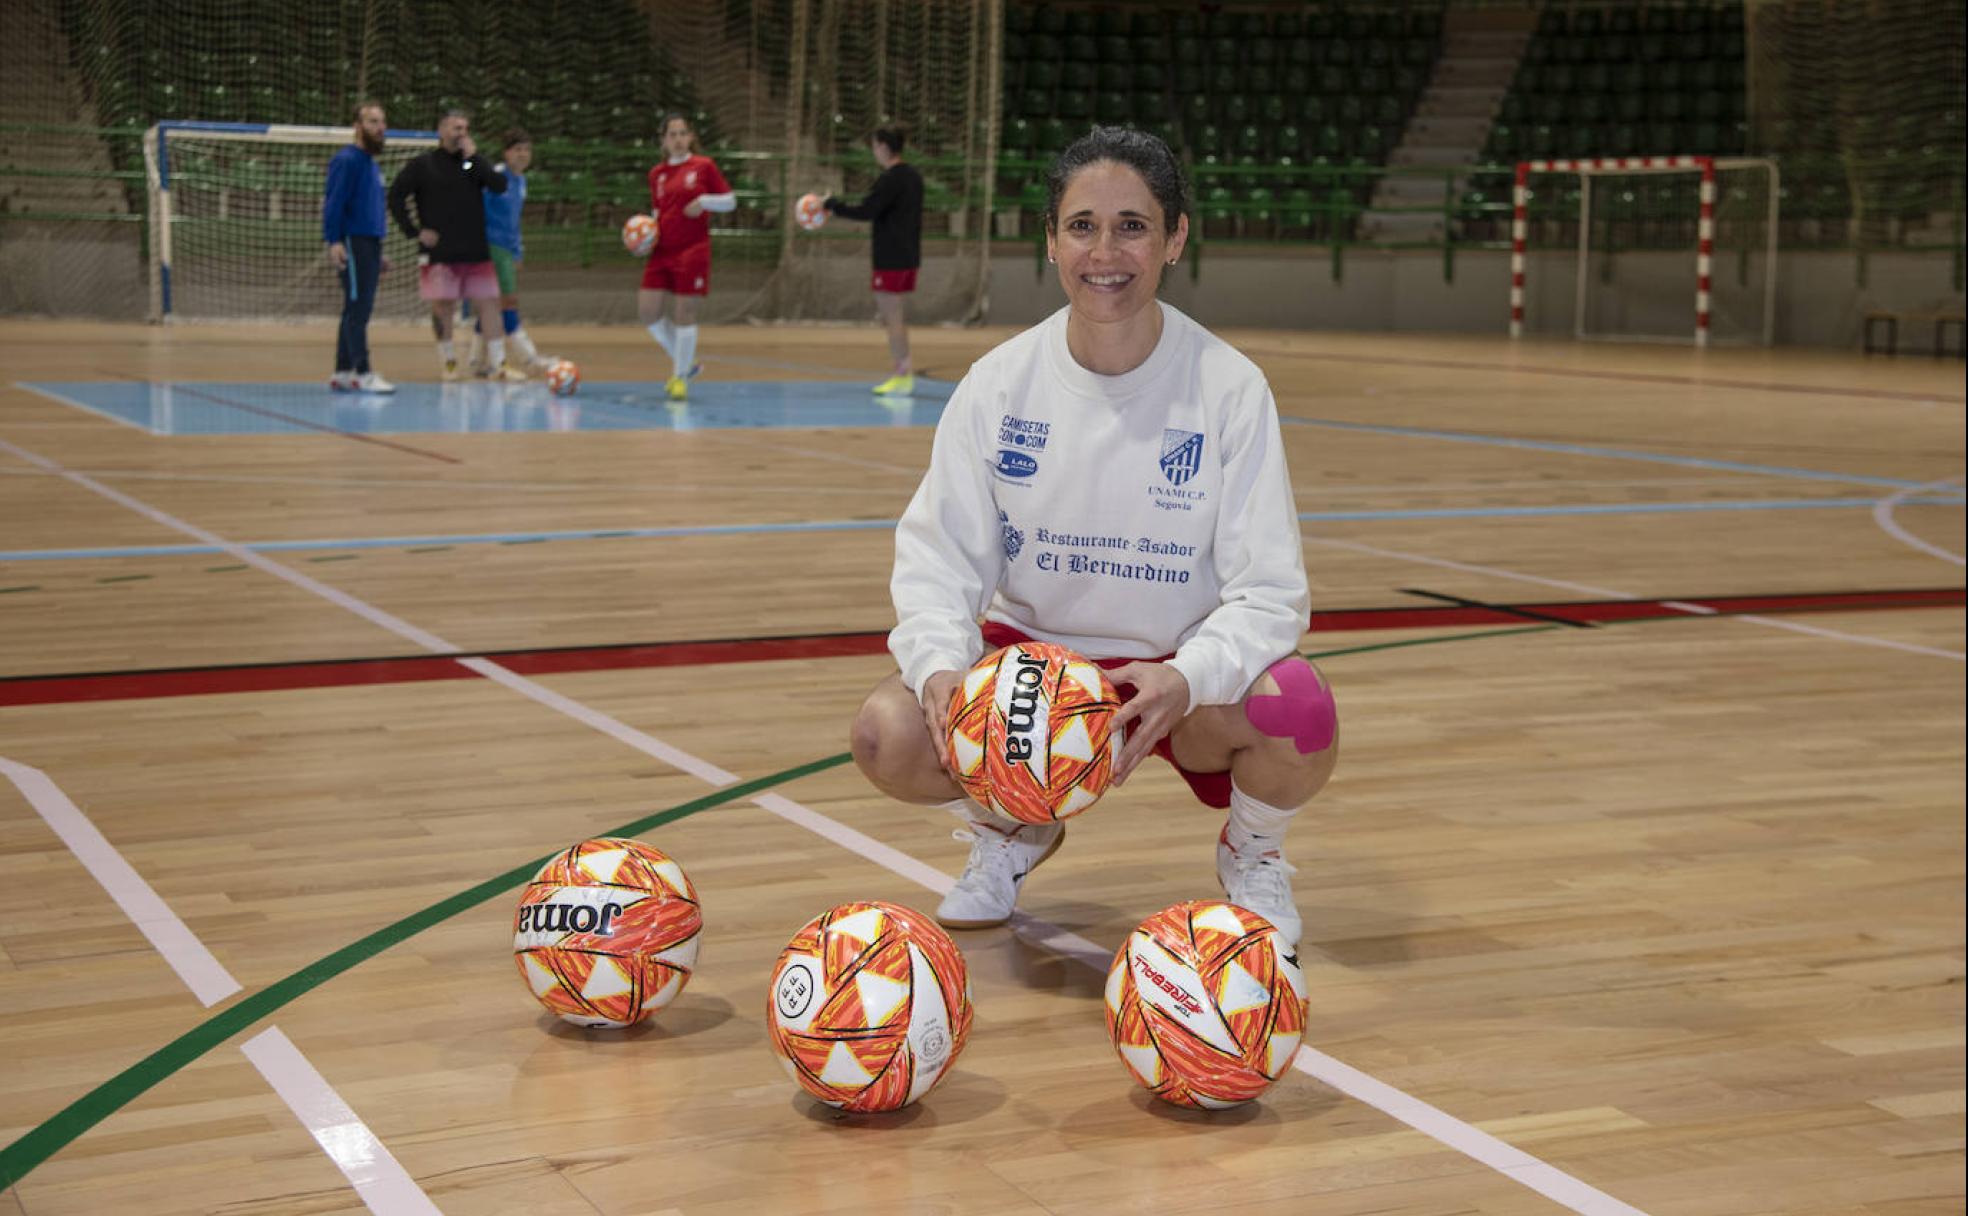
(448, 184)
(895, 204)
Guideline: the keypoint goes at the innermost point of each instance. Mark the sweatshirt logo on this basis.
(1016, 464)
(1182, 455)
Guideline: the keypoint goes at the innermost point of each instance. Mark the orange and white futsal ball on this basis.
(869, 1005)
(1031, 732)
(1205, 1004)
(639, 235)
(563, 377)
(606, 933)
(810, 212)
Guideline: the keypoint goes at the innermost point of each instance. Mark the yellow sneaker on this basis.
(451, 372)
(506, 373)
(676, 388)
(896, 386)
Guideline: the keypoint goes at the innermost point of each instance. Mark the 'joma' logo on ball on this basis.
(568, 918)
(1022, 708)
(1175, 990)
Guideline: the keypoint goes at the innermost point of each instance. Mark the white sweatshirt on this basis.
(1124, 516)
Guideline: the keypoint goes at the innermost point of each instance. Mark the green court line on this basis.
(124, 578)
(336, 557)
(20, 1158)
(11, 590)
(222, 569)
(430, 549)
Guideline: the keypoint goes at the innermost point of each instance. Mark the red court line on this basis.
(1641, 377)
(341, 673)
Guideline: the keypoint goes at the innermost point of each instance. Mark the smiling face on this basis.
(1112, 242)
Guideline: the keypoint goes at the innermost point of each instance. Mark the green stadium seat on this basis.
(1115, 49)
(1041, 74)
(1329, 141)
(1665, 78)
(1035, 103)
(1710, 107)
(1408, 81)
(1149, 49)
(1224, 79)
(1054, 135)
(1077, 75)
(1586, 21)
(1081, 23)
(1188, 80)
(1148, 24)
(1333, 81)
(1655, 47)
(1073, 103)
(1388, 112)
(1223, 51)
(1149, 77)
(1018, 17)
(1207, 140)
(1253, 26)
(1113, 76)
(1591, 107)
(1185, 25)
(1195, 109)
(1559, 78)
(1113, 107)
(1235, 110)
(1289, 140)
(1296, 79)
(1513, 109)
(1115, 25)
(1621, 20)
(1667, 107)
(1369, 80)
(1630, 107)
(1045, 46)
(1271, 109)
(1312, 110)
(1664, 139)
(1260, 78)
(1263, 51)
(1302, 52)
(1351, 110)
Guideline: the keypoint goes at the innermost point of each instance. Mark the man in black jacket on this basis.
(895, 204)
(446, 184)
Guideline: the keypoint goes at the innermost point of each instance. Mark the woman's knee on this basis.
(883, 736)
(1292, 710)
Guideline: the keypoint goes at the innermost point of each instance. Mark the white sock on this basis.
(524, 345)
(446, 353)
(495, 352)
(969, 812)
(686, 349)
(1254, 826)
(665, 335)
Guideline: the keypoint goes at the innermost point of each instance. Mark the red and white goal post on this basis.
(1637, 217)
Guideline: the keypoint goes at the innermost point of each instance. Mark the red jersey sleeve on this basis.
(714, 180)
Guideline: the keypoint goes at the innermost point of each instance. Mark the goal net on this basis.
(1668, 248)
(235, 222)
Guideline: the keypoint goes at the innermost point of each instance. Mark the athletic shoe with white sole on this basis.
(1261, 883)
(370, 382)
(342, 382)
(1000, 861)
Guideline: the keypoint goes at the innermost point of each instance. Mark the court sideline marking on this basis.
(377, 1176)
(1882, 514)
(1438, 1125)
(1679, 605)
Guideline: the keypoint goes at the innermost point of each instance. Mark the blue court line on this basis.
(876, 525)
(1574, 449)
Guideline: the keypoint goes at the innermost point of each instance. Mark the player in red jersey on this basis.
(682, 190)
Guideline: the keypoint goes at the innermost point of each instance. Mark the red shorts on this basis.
(457, 281)
(1211, 789)
(896, 282)
(685, 271)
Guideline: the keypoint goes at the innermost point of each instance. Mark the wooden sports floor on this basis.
(1638, 889)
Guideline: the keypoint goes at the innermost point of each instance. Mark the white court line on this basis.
(1512, 1163)
(375, 616)
(1882, 514)
(382, 1182)
(385, 1186)
(201, 972)
(1834, 635)
(58, 399)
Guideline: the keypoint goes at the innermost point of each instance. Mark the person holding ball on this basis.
(682, 191)
(895, 206)
(1112, 480)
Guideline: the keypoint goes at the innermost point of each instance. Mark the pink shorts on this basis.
(457, 281)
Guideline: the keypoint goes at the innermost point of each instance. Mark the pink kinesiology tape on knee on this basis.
(1303, 710)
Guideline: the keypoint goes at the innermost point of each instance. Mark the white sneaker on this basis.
(1260, 883)
(370, 382)
(342, 382)
(999, 864)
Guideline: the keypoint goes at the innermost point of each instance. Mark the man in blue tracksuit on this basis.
(352, 223)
